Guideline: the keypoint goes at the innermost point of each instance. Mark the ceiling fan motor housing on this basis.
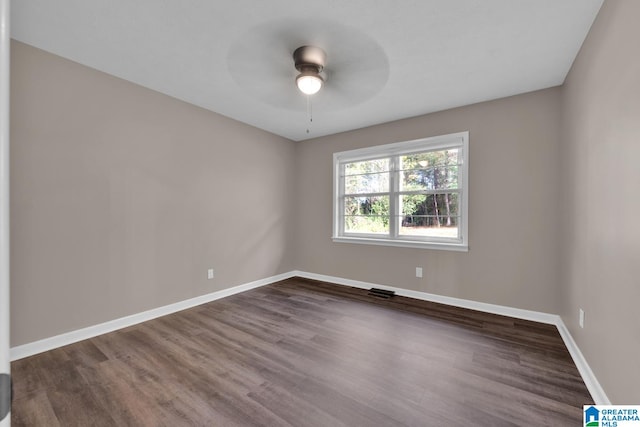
(309, 58)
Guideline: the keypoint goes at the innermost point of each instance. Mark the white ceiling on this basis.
(386, 59)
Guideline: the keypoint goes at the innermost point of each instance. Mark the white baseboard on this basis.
(589, 378)
(67, 338)
(518, 313)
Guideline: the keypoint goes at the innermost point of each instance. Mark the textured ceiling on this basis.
(386, 60)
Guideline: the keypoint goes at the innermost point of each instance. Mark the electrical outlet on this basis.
(581, 318)
(210, 273)
(418, 271)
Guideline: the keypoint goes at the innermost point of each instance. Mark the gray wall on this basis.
(513, 204)
(122, 198)
(601, 199)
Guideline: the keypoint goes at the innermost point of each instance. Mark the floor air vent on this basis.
(381, 293)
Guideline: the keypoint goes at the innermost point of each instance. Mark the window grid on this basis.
(437, 221)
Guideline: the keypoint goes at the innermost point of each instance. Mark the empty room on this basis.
(295, 213)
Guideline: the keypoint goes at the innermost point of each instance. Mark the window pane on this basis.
(433, 170)
(433, 215)
(367, 183)
(368, 166)
(409, 229)
(366, 214)
(370, 176)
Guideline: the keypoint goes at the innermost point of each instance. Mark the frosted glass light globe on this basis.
(309, 84)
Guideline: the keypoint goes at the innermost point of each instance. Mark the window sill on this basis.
(458, 247)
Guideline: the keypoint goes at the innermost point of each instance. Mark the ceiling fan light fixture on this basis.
(309, 82)
(309, 60)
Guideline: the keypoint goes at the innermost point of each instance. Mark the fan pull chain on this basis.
(309, 113)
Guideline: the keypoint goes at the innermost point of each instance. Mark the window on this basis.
(410, 193)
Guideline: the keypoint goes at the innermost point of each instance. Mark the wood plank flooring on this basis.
(307, 353)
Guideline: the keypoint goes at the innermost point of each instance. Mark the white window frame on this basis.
(458, 140)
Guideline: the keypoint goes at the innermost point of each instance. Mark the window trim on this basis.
(459, 140)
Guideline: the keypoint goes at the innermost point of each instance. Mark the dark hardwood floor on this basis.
(307, 353)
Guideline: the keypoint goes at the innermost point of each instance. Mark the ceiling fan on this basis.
(341, 66)
(309, 60)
